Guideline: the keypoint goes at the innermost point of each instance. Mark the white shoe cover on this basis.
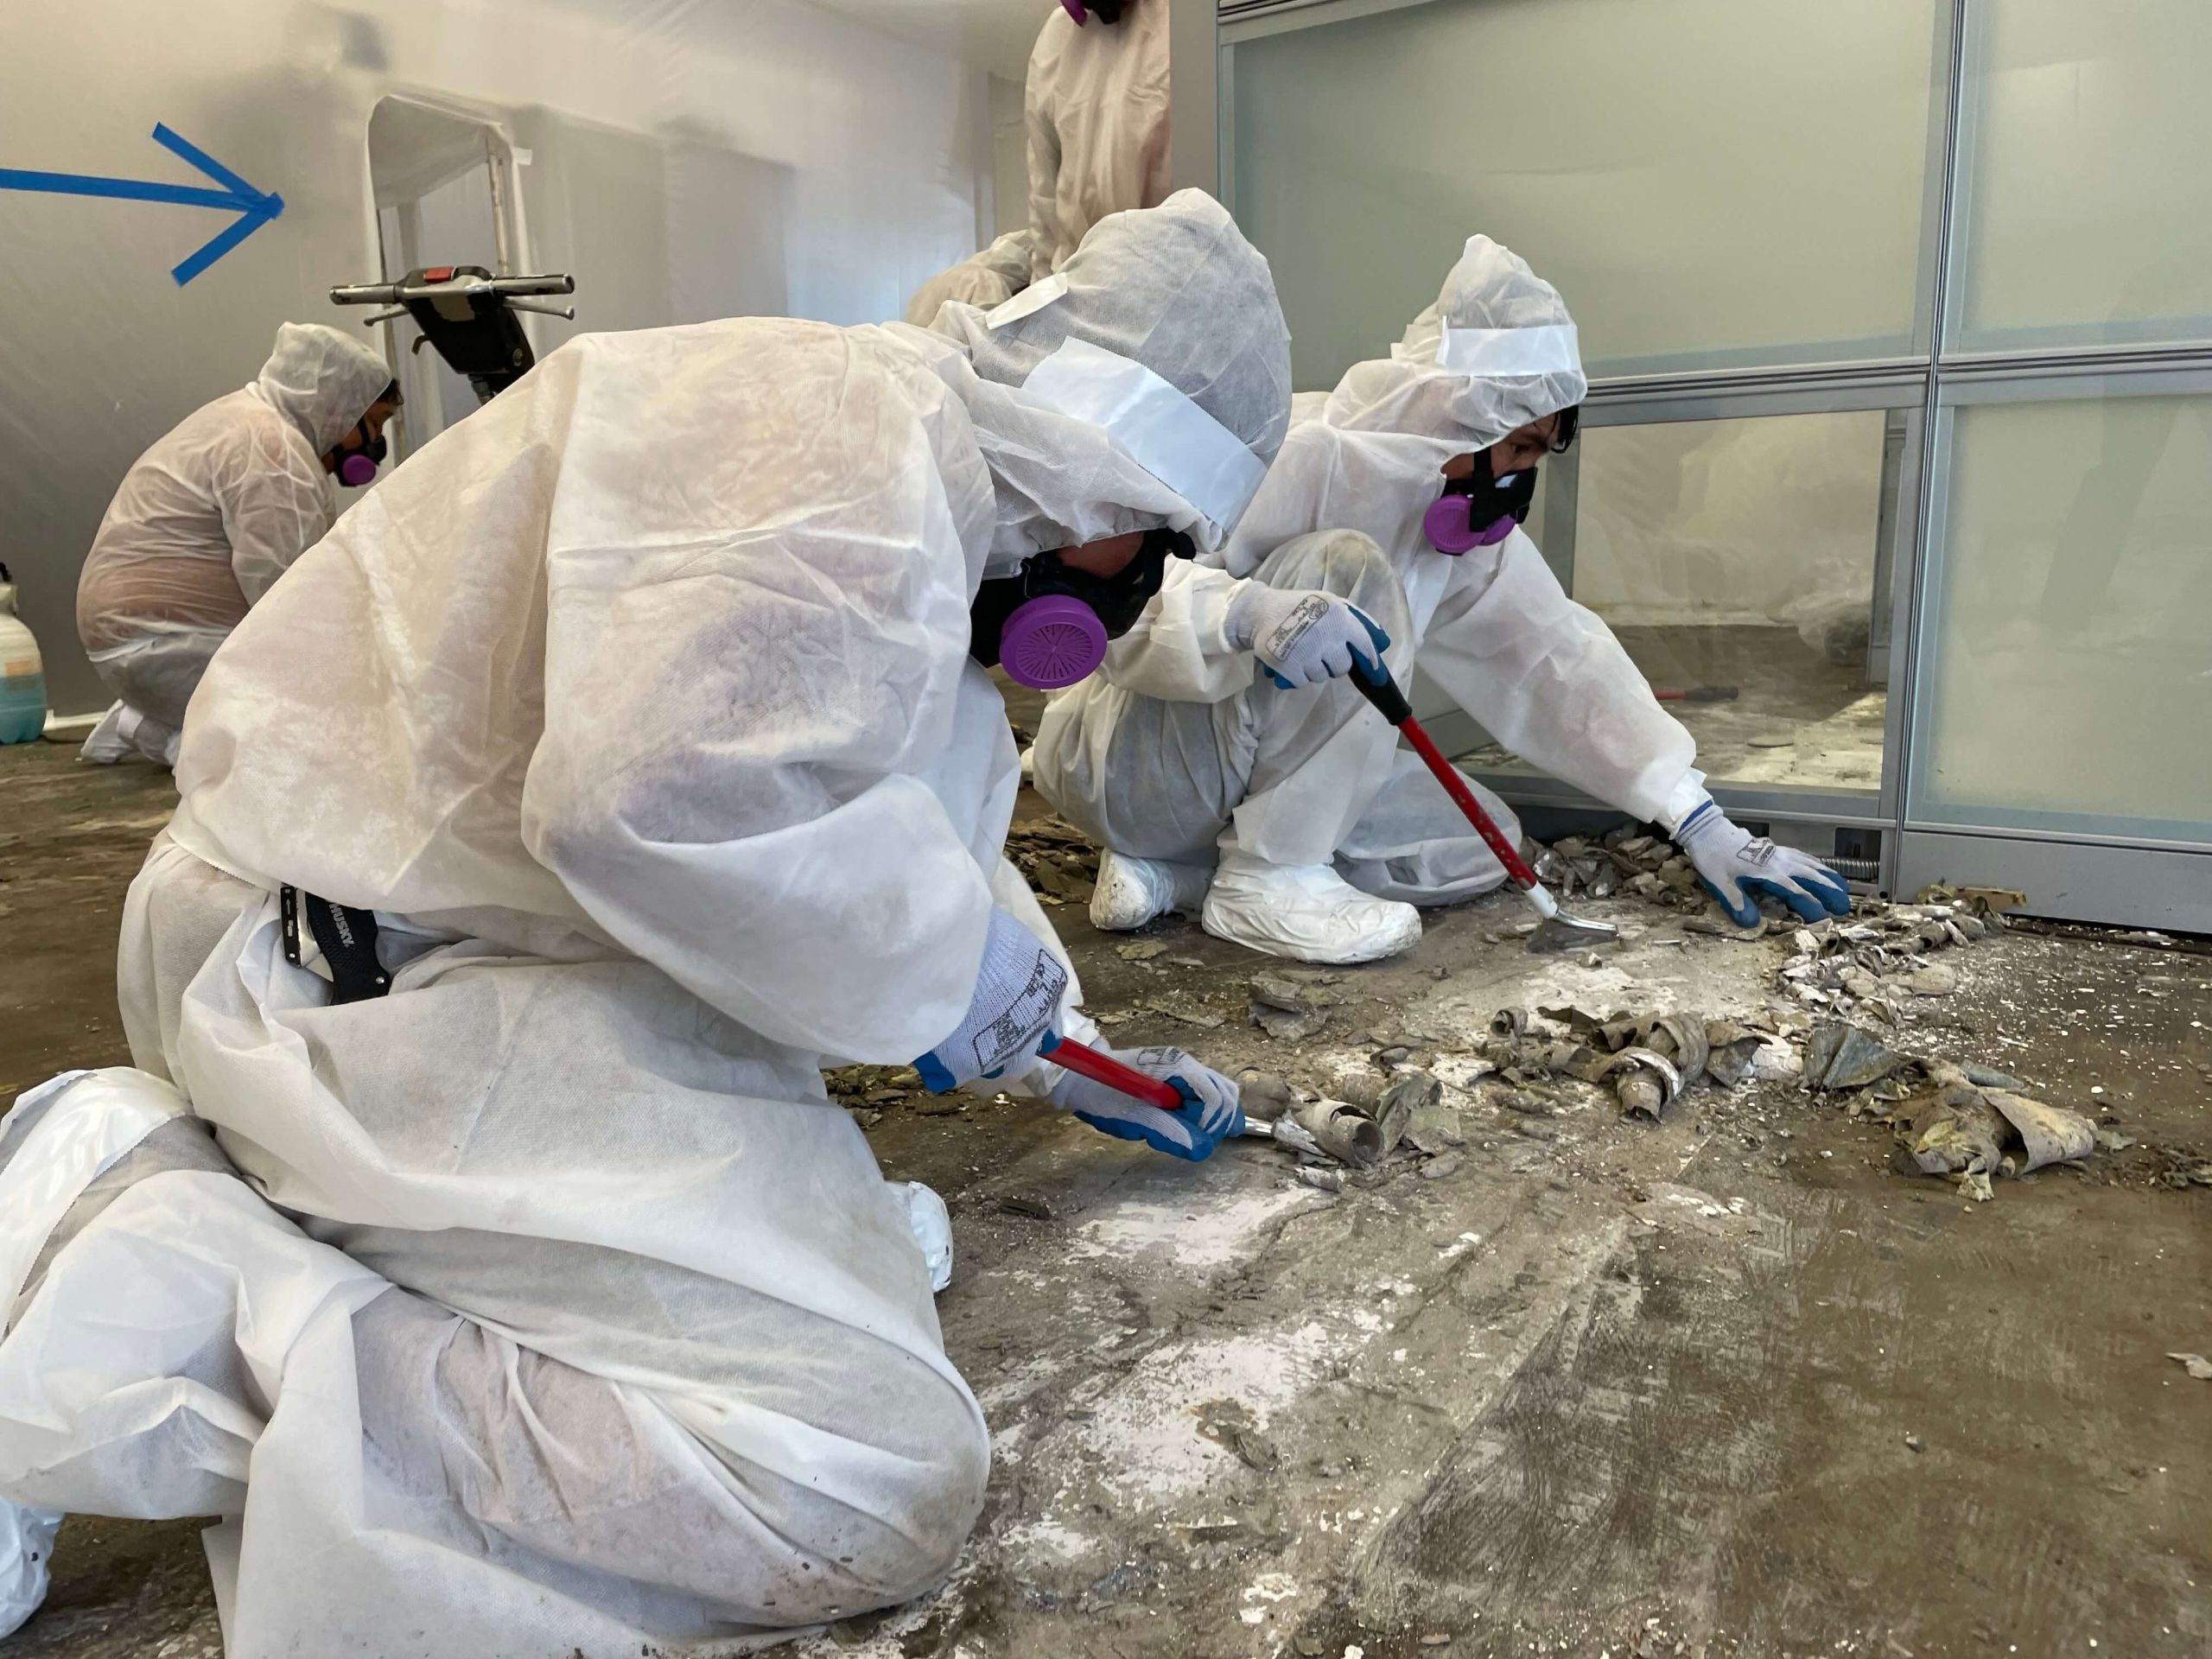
(26, 1547)
(932, 1225)
(1133, 890)
(1309, 914)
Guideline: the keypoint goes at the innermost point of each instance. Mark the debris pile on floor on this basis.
(1966, 1122)
(1053, 857)
(1648, 1060)
(1879, 954)
(1624, 861)
(865, 1090)
(1359, 1126)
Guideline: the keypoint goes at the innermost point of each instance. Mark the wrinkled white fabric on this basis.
(1132, 891)
(984, 280)
(124, 731)
(206, 520)
(1307, 913)
(662, 762)
(1297, 777)
(1493, 627)
(1177, 289)
(1096, 109)
(26, 1554)
(156, 673)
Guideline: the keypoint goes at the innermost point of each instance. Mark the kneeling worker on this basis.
(1286, 817)
(621, 763)
(207, 519)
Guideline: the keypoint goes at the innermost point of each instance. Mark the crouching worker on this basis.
(1288, 818)
(603, 777)
(206, 520)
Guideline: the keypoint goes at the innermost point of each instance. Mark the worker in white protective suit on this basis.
(207, 519)
(1289, 819)
(602, 778)
(1095, 116)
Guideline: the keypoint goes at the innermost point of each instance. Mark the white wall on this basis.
(862, 161)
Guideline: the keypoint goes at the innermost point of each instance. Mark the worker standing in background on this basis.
(620, 764)
(1095, 113)
(208, 518)
(1289, 819)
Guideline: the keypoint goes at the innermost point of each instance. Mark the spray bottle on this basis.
(22, 672)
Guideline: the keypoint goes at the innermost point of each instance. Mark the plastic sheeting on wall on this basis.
(781, 158)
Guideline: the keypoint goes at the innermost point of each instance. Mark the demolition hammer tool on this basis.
(1556, 930)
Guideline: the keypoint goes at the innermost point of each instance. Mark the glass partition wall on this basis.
(1896, 475)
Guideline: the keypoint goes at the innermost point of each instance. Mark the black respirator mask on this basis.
(358, 466)
(1048, 626)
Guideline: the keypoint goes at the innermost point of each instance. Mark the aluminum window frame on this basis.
(1929, 383)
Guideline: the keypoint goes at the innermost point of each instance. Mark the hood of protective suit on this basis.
(1496, 350)
(322, 381)
(1072, 440)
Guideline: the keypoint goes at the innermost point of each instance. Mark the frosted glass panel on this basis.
(2089, 195)
(1737, 562)
(1709, 182)
(2069, 681)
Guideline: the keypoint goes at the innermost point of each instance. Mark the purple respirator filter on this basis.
(1051, 642)
(1449, 525)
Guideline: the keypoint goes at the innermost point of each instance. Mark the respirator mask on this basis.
(358, 466)
(1049, 626)
(1107, 11)
(1479, 511)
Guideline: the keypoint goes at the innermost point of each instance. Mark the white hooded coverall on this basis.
(206, 520)
(1176, 745)
(1096, 113)
(639, 711)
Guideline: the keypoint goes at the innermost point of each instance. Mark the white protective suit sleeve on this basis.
(276, 503)
(1179, 650)
(1547, 679)
(1096, 109)
(740, 726)
(983, 280)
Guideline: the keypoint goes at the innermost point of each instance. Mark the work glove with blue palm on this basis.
(1737, 869)
(1209, 1114)
(1009, 1019)
(1303, 636)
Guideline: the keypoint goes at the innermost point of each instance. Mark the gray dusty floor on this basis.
(1607, 1389)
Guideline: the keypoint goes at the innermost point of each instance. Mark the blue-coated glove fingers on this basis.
(1741, 910)
(1210, 1114)
(1737, 869)
(1179, 1134)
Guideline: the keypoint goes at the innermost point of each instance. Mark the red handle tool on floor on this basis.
(1555, 930)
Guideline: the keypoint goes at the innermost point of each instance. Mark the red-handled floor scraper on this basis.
(1555, 930)
(1088, 1062)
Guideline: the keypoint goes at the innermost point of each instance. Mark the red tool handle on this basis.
(1125, 1079)
(1385, 696)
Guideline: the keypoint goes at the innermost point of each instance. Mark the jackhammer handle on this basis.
(1377, 685)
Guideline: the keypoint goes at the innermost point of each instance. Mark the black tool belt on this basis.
(346, 938)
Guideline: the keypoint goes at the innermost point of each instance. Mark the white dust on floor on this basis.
(1198, 1231)
(1145, 1431)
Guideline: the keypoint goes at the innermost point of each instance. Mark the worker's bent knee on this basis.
(934, 1506)
(1346, 563)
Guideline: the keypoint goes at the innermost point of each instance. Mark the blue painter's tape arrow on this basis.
(254, 208)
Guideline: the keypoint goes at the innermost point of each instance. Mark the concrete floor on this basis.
(1725, 1385)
